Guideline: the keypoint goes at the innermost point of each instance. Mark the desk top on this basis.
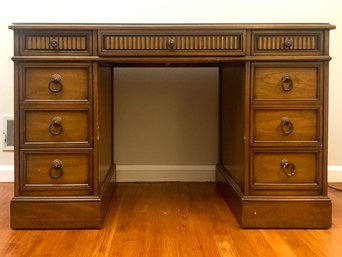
(170, 26)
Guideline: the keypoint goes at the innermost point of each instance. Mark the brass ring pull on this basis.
(171, 43)
(56, 127)
(55, 85)
(56, 171)
(286, 83)
(288, 44)
(286, 126)
(53, 43)
(288, 168)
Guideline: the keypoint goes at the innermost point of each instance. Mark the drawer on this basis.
(56, 82)
(56, 127)
(285, 169)
(61, 42)
(287, 82)
(286, 126)
(287, 42)
(56, 171)
(174, 43)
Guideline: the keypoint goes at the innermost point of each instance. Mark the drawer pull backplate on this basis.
(56, 171)
(53, 43)
(286, 126)
(286, 83)
(171, 43)
(56, 127)
(55, 85)
(288, 44)
(288, 168)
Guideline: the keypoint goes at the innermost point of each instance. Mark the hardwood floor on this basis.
(169, 220)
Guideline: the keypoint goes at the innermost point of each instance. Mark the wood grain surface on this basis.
(169, 219)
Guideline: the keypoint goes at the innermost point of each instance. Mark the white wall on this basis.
(178, 11)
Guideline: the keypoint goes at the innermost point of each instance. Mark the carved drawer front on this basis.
(285, 169)
(59, 172)
(287, 42)
(55, 42)
(56, 127)
(56, 82)
(175, 43)
(286, 126)
(287, 82)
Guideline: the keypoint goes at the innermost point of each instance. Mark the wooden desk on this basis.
(273, 117)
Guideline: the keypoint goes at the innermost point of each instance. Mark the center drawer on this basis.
(56, 128)
(173, 43)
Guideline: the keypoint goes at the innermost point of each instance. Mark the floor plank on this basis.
(169, 220)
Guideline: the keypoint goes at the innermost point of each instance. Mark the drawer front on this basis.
(56, 82)
(56, 127)
(287, 42)
(55, 43)
(285, 169)
(56, 171)
(287, 82)
(172, 43)
(287, 126)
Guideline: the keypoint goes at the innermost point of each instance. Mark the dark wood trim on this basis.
(184, 26)
(170, 60)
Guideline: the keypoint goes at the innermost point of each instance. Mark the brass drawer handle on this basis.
(288, 168)
(56, 127)
(53, 43)
(55, 85)
(171, 43)
(286, 126)
(288, 44)
(286, 83)
(56, 171)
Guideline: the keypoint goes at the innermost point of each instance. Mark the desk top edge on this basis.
(169, 26)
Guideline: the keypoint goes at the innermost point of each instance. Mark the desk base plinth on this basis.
(274, 211)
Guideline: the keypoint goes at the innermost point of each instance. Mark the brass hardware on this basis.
(286, 83)
(288, 43)
(53, 43)
(288, 168)
(56, 171)
(55, 85)
(171, 43)
(286, 126)
(56, 127)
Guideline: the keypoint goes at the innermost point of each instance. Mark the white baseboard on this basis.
(154, 173)
(187, 173)
(6, 173)
(334, 173)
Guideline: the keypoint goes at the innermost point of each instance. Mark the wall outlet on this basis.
(8, 133)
